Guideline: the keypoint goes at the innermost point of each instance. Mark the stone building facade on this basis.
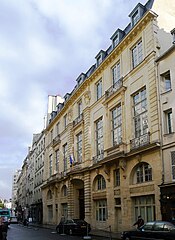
(103, 158)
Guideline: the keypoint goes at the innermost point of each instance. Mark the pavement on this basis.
(93, 232)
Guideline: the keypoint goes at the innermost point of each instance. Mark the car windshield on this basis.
(79, 221)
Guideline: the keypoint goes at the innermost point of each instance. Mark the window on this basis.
(173, 164)
(57, 128)
(116, 73)
(137, 56)
(135, 17)
(79, 147)
(99, 89)
(57, 160)
(169, 121)
(80, 110)
(50, 165)
(64, 191)
(50, 212)
(99, 137)
(100, 183)
(115, 41)
(117, 125)
(166, 81)
(101, 210)
(117, 178)
(65, 121)
(51, 135)
(99, 60)
(144, 206)
(143, 173)
(140, 113)
(65, 157)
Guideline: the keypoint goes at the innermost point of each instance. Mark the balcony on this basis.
(98, 158)
(56, 140)
(140, 141)
(114, 88)
(78, 120)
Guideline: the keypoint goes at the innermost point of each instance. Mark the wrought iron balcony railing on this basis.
(140, 141)
(78, 119)
(98, 158)
(56, 140)
(114, 88)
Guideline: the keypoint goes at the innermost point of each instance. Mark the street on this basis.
(19, 232)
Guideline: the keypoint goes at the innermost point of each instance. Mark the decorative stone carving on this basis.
(87, 97)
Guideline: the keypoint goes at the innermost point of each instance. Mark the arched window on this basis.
(100, 183)
(143, 173)
(49, 194)
(64, 191)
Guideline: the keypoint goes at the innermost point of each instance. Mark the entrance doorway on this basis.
(81, 204)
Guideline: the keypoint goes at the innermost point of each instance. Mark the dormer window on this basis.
(81, 78)
(135, 17)
(100, 56)
(116, 37)
(115, 41)
(136, 14)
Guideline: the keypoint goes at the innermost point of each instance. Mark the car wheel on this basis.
(70, 231)
(127, 238)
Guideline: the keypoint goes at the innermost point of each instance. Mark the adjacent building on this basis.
(166, 75)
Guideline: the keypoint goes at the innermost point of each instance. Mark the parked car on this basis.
(13, 219)
(73, 226)
(152, 230)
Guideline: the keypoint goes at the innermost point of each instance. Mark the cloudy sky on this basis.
(44, 46)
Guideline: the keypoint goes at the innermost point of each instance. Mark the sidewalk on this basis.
(93, 232)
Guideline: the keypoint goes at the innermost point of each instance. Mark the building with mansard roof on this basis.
(103, 160)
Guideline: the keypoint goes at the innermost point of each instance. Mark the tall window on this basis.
(57, 128)
(99, 137)
(143, 173)
(99, 89)
(51, 135)
(137, 55)
(173, 164)
(80, 109)
(79, 147)
(65, 121)
(117, 125)
(50, 165)
(169, 121)
(65, 157)
(144, 206)
(117, 177)
(140, 113)
(57, 160)
(116, 73)
(101, 210)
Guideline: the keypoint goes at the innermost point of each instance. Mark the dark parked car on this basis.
(73, 226)
(152, 230)
(13, 219)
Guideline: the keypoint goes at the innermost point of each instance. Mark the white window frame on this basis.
(99, 89)
(101, 210)
(50, 165)
(137, 53)
(65, 153)
(169, 121)
(140, 113)
(116, 75)
(117, 125)
(99, 137)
